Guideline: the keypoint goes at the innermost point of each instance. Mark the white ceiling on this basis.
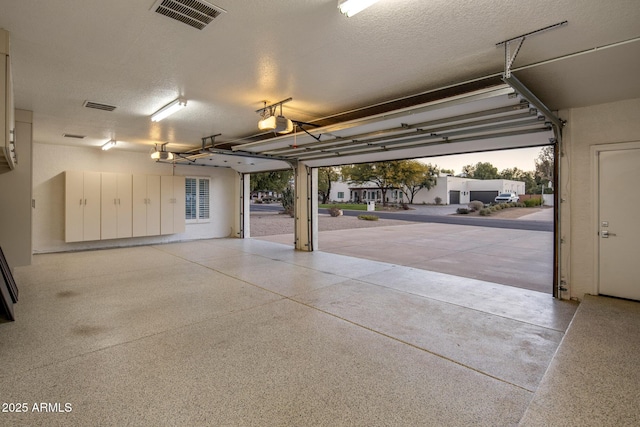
(119, 52)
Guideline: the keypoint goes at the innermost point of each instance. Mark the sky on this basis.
(522, 158)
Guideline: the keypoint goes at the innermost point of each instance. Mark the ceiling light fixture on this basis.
(271, 122)
(109, 145)
(162, 153)
(351, 7)
(169, 109)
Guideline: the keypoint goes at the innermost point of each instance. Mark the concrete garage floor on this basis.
(248, 332)
(518, 258)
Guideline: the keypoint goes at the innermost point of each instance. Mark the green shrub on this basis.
(438, 200)
(476, 205)
(498, 206)
(368, 217)
(521, 205)
(462, 211)
(532, 202)
(485, 212)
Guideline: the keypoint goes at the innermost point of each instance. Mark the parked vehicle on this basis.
(507, 198)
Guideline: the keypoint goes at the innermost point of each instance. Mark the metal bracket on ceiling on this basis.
(271, 109)
(508, 78)
(519, 40)
(317, 138)
(204, 150)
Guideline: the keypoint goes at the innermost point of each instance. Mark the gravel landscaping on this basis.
(271, 224)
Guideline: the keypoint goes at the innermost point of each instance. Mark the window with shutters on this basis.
(196, 199)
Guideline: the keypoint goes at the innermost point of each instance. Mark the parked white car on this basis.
(507, 198)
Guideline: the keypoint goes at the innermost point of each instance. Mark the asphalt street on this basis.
(416, 216)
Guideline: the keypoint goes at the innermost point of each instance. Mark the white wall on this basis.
(600, 124)
(465, 186)
(50, 162)
(439, 190)
(337, 187)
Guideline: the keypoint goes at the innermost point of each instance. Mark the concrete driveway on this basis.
(520, 258)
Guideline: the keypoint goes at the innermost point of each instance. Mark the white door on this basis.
(153, 205)
(619, 233)
(74, 206)
(91, 224)
(124, 205)
(139, 205)
(179, 204)
(109, 207)
(166, 204)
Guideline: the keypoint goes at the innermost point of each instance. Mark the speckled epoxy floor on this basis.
(248, 332)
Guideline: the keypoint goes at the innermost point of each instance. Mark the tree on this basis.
(384, 174)
(325, 177)
(414, 176)
(485, 170)
(271, 181)
(468, 171)
(513, 174)
(516, 174)
(447, 171)
(545, 166)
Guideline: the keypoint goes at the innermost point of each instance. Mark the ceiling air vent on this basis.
(98, 106)
(195, 13)
(70, 135)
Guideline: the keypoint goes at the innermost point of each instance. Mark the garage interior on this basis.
(209, 326)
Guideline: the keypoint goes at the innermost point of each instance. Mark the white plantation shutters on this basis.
(203, 199)
(196, 199)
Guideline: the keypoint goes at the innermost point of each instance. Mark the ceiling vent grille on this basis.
(195, 13)
(70, 135)
(98, 106)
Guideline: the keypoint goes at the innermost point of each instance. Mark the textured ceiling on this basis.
(121, 53)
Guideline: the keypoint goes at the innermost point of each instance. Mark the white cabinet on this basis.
(82, 206)
(172, 205)
(146, 205)
(116, 206)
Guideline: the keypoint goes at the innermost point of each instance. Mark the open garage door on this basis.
(490, 118)
(481, 116)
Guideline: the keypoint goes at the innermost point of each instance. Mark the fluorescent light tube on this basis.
(351, 7)
(168, 109)
(109, 145)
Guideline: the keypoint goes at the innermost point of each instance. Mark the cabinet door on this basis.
(166, 206)
(109, 207)
(139, 205)
(125, 217)
(172, 215)
(74, 206)
(91, 216)
(178, 204)
(153, 205)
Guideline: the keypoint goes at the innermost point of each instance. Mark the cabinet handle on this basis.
(85, 202)
(118, 201)
(114, 202)
(80, 202)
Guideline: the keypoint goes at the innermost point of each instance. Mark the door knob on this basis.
(605, 234)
